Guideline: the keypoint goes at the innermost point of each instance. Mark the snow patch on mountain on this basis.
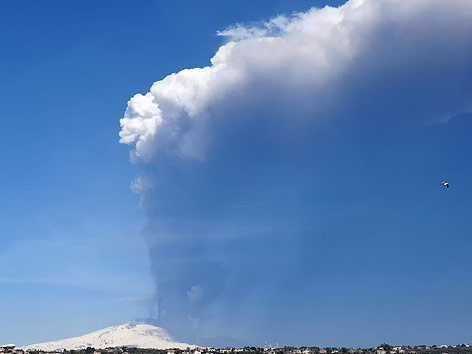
(137, 333)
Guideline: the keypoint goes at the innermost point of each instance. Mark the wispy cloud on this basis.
(71, 262)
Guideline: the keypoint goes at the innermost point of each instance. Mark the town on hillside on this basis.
(381, 349)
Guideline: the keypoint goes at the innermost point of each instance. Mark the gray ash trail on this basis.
(236, 155)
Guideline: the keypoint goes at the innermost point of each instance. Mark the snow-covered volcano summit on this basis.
(137, 333)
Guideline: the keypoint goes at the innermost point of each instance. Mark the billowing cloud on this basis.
(236, 155)
(312, 65)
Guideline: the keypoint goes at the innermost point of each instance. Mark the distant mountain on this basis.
(137, 333)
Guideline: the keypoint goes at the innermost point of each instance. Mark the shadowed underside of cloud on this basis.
(228, 149)
(411, 56)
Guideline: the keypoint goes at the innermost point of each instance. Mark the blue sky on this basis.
(324, 228)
